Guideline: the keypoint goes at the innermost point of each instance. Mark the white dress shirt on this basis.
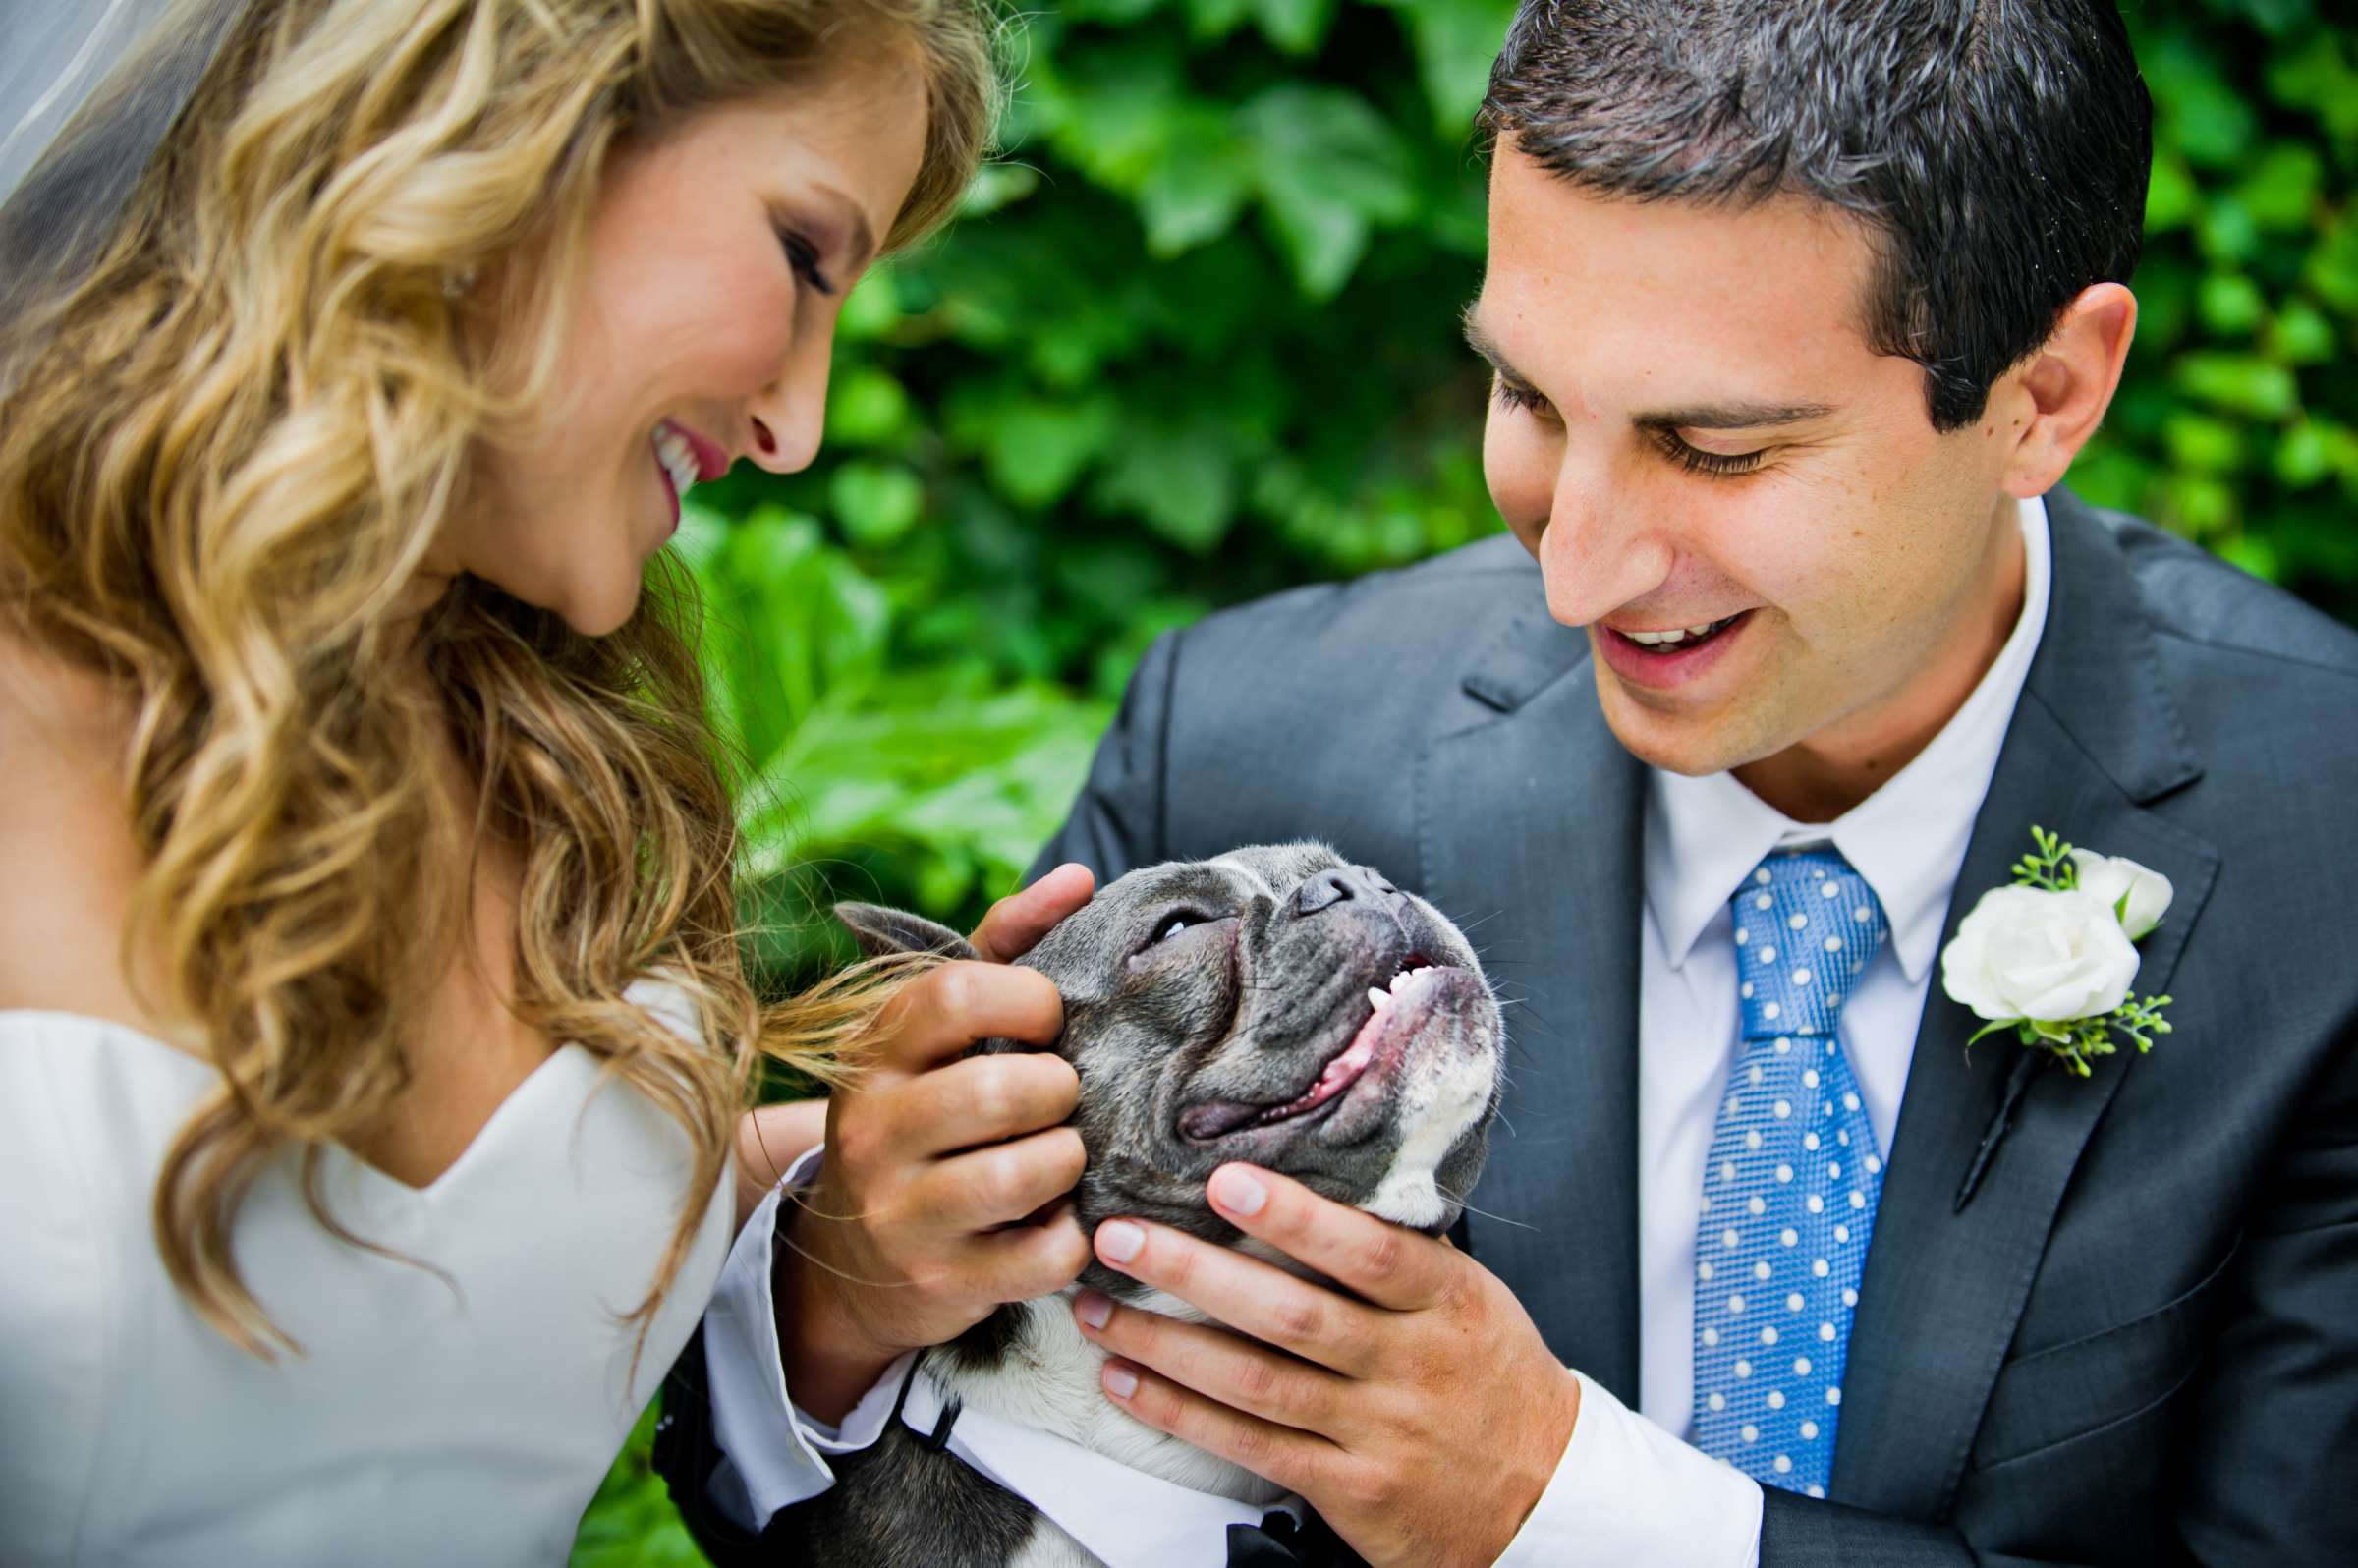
(1628, 1488)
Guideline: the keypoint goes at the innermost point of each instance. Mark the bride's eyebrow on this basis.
(849, 226)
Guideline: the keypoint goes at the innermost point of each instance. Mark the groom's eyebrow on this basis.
(1736, 415)
(1732, 416)
(1481, 342)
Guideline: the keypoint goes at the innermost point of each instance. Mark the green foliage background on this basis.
(1196, 340)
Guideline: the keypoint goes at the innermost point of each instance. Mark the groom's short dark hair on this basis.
(1997, 150)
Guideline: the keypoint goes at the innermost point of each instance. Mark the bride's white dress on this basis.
(462, 1413)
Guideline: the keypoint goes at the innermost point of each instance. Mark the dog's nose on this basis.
(1339, 886)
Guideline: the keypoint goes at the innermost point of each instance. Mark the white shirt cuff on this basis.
(1628, 1491)
(773, 1453)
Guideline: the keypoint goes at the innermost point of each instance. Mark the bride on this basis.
(372, 1035)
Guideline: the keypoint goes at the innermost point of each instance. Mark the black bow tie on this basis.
(1280, 1541)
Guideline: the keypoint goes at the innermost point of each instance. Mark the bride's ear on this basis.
(880, 931)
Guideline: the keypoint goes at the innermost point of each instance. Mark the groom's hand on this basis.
(1422, 1420)
(912, 1233)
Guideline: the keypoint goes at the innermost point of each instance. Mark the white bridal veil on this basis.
(89, 91)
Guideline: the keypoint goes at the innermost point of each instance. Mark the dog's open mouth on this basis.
(1395, 1014)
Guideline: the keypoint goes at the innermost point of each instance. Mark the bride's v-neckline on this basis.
(478, 1149)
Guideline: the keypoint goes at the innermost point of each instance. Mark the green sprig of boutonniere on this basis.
(2051, 956)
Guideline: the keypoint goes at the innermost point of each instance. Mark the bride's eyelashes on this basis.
(803, 257)
(1693, 458)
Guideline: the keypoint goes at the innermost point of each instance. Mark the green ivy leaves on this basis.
(2234, 424)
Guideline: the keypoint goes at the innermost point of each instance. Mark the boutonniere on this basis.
(2050, 957)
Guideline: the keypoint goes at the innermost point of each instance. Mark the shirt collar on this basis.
(1705, 835)
(1126, 1518)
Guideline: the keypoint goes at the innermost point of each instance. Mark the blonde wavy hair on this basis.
(221, 469)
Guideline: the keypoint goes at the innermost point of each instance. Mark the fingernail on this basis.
(1118, 1240)
(1120, 1380)
(1238, 1193)
(1094, 1309)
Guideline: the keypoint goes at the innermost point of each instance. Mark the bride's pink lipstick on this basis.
(711, 462)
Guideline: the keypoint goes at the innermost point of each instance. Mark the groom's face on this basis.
(1693, 437)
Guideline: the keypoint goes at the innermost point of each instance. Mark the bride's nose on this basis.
(787, 418)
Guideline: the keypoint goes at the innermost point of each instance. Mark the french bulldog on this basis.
(1275, 1005)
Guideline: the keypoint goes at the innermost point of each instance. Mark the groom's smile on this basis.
(1748, 508)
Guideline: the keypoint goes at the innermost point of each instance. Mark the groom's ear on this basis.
(880, 931)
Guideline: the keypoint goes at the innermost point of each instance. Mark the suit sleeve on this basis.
(1119, 822)
(732, 1445)
(2275, 1411)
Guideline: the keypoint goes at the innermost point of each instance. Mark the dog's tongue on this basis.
(1221, 1117)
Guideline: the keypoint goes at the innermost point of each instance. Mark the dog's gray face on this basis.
(1273, 1005)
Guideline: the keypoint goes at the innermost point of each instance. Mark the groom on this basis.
(1798, 314)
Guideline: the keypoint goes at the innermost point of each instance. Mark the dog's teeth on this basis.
(1378, 999)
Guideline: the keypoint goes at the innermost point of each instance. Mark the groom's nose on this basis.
(1598, 552)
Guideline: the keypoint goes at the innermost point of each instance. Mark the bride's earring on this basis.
(458, 282)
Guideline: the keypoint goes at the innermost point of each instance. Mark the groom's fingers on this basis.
(1248, 1295)
(1389, 1265)
(1299, 1461)
(936, 1016)
(1238, 1373)
(983, 1101)
(1020, 919)
(1027, 1261)
(1003, 1184)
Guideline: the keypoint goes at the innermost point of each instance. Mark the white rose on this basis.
(2025, 952)
(2108, 877)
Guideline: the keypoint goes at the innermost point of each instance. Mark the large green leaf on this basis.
(1455, 42)
(1295, 27)
(1180, 479)
(1194, 195)
(1331, 170)
(1035, 448)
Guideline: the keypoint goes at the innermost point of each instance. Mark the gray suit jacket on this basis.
(2132, 1336)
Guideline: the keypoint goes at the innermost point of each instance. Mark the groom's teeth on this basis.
(1674, 638)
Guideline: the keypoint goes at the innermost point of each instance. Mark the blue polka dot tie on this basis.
(1790, 1188)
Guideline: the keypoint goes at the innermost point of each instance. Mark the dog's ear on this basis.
(881, 931)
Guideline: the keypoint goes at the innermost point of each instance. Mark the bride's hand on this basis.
(915, 1229)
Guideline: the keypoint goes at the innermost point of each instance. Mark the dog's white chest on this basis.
(1049, 1381)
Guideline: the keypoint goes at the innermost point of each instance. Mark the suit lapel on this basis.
(1529, 836)
(2093, 739)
